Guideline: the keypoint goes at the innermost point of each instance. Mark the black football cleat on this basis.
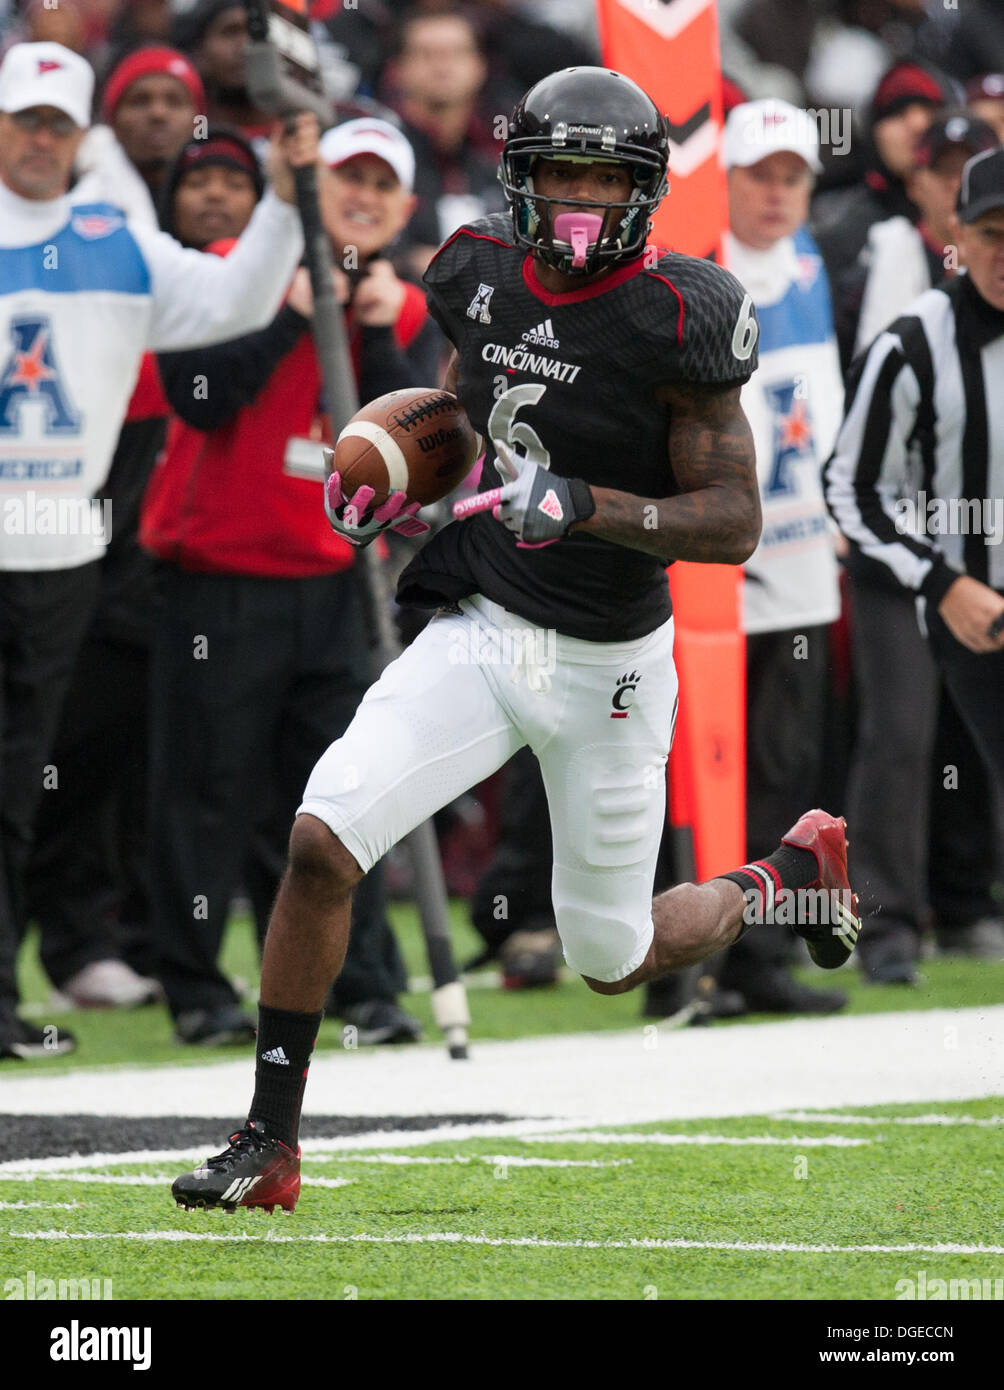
(831, 941)
(255, 1171)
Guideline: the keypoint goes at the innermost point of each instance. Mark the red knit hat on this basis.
(142, 63)
(904, 84)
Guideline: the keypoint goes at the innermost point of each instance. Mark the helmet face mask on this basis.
(590, 115)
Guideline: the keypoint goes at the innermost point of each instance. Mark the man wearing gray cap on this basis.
(917, 475)
(82, 295)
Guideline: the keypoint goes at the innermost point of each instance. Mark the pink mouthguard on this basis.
(579, 229)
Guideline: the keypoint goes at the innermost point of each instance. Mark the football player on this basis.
(606, 378)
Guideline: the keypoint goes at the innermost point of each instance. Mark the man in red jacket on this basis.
(261, 653)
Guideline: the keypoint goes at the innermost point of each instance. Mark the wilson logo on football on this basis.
(621, 702)
(550, 505)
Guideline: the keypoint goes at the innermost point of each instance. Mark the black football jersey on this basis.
(570, 380)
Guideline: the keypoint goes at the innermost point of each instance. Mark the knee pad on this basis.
(604, 920)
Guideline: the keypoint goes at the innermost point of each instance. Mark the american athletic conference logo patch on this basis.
(31, 374)
(94, 225)
(478, 307)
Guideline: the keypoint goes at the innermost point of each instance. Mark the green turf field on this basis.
(623, 1220)
(814, 1208)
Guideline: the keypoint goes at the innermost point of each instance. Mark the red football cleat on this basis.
(831, 940)
(255, 1171)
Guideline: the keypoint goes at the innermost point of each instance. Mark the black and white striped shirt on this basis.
(916, 479)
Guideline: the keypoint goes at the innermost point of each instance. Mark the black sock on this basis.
(282, 1056)
(763, 879)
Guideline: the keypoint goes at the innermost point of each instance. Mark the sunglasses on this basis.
(32, 120)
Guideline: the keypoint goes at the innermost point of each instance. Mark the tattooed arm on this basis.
(716, 518)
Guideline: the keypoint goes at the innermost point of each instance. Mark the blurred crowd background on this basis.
(184, 779)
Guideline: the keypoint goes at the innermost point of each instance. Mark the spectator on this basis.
(903, 259)
(77, 324)
(86, 883)
(523, 41)
(360, 41)
(270, 586)
(65, 24)
(977, 41)
(212, 189)
(214, 33)
(434, 81)
(903, 107)
(790, 594)
(149, 107)
(985, 100)
(921, 411)
(837, 51)
(138, 23)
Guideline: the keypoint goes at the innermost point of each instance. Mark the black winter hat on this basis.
(189, 27)
(223, 146)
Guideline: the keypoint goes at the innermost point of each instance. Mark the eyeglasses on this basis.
(32, 121)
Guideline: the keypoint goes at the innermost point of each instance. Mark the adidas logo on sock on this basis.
(277, 1056)
(542, 335)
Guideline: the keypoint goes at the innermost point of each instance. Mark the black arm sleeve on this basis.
(233, 373)
(383, 366)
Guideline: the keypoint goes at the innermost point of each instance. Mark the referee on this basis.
(916, 479)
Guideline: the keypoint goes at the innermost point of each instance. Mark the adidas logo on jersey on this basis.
(277, 1056)
(542, 335)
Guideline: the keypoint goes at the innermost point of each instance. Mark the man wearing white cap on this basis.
(368, 203)
(790, 594)
(82, 294)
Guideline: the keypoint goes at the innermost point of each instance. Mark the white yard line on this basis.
(495, 1160)
(595, 1136)
(48, 1206)
(820, 1117)
(395, 1160)
(529, 1242)
(641, 1075)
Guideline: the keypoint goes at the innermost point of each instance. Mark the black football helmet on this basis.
(594, 114)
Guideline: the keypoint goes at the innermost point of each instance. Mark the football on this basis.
(418, 441)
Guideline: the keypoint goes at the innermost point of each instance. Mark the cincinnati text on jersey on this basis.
(517, 359)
